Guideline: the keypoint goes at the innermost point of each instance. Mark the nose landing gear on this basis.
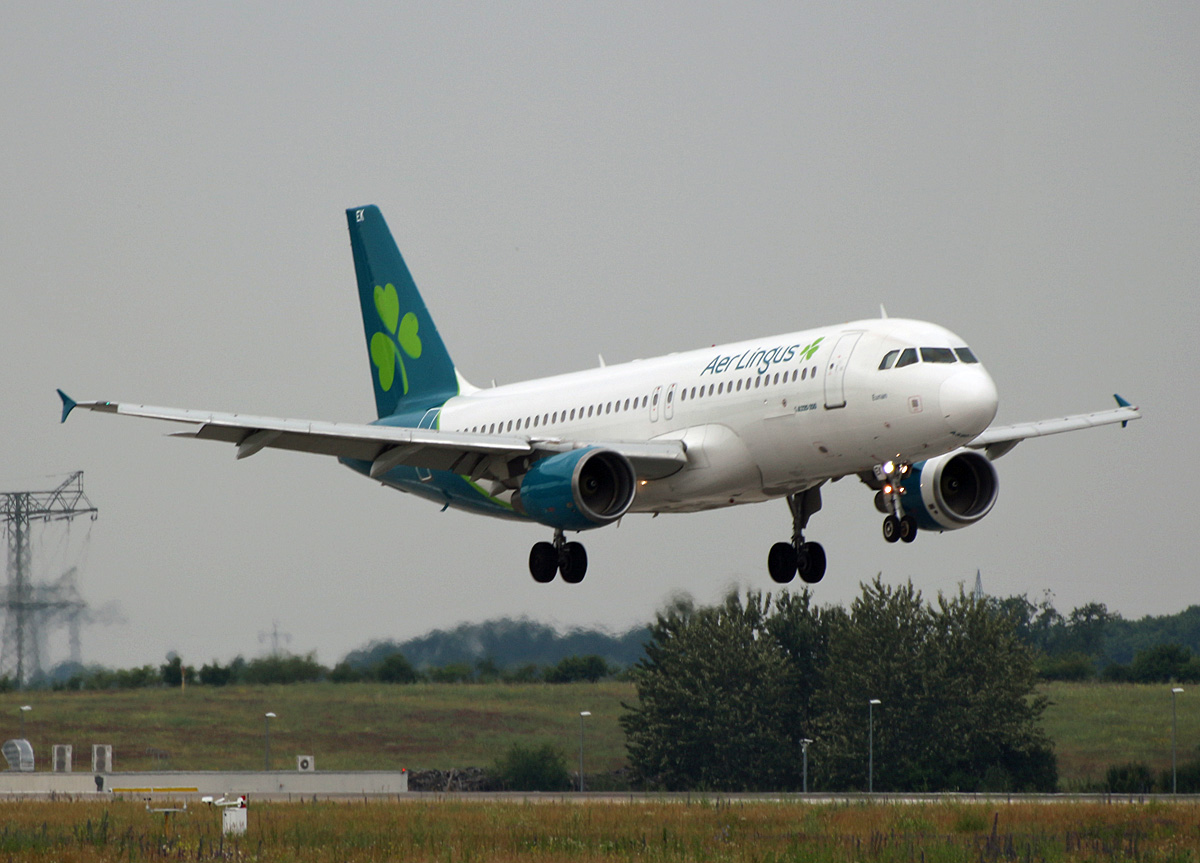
(560, 557)
(787, 559)
(897, 525)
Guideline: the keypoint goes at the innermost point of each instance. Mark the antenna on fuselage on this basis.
(882, 311)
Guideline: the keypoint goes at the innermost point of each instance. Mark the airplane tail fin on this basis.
(410, 365)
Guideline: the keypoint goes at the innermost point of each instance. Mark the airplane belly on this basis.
(720, 472)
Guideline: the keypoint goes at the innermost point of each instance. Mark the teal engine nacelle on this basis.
(577, 490)
(951, 491)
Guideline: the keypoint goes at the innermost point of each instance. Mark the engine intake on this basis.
(951, 491)
(580, 489)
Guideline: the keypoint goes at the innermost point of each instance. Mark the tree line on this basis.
(289, 668)
(1092, 643)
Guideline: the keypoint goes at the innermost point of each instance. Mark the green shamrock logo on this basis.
(388, 349)
(808, 352)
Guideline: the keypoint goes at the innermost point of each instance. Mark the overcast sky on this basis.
(566, 180)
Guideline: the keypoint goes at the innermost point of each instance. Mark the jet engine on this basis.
(577, 490)
(951, 491)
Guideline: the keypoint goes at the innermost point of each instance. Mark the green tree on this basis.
(215, 674)
(284, 669)
(957, 690)
(713, 695)
(395, 668)
(575, 668)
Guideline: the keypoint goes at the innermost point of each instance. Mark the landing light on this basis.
(887, 489)
(888, 467)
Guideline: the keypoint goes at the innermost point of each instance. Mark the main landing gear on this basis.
(897, 525)
(560, 557)
(786, 559)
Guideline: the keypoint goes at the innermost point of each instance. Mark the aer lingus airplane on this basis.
(904, 405)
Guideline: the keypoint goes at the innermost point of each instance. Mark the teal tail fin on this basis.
(409, 363)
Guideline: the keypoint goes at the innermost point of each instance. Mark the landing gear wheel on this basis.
(543, 562)
(810, 562)
(786, 559)
(572, 563)
(781, 562)
(908, 528)
(891, 528)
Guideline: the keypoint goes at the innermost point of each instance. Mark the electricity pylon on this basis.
(27, 606)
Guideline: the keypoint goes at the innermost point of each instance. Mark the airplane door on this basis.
(835, 370)
(654, 404)
(429, 421)
(669, 404)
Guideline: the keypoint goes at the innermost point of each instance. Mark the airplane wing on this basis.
(477, 455)
(995, 441)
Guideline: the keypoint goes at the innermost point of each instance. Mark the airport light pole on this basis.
(1174, 728)
(267, 737)
(25, 708)
(582, 714)
(871, 744)
(804, 741)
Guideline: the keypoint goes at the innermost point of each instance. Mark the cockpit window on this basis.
(888, 360)
(937, 355)
(907, 358)
(965, 355)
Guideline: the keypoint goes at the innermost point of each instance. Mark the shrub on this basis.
(532, 768)
(1133, 777)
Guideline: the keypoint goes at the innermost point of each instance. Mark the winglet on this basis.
(1122, 403)
(68, 405)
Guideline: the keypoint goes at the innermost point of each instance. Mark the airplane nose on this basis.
(968, 399)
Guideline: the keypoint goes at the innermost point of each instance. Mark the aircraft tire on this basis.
(781, 562)
(543, 562)
(908, 528)
(810, 562)
(573, 564)
(891, 529)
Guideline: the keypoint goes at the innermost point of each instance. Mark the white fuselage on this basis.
(760, 418)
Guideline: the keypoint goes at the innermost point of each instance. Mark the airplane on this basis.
(904, 405)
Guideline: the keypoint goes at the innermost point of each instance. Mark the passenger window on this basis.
(626, 404)
(937, 355)
(888, 360)
(907, 358)
(777, 377)
(739, 387)
(965, 355)
(804, 374)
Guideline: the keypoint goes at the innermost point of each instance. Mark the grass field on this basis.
(352, 726)
(1094, 725)
(563, 831)
(375, 726)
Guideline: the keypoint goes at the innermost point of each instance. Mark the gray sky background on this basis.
(567, 180)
